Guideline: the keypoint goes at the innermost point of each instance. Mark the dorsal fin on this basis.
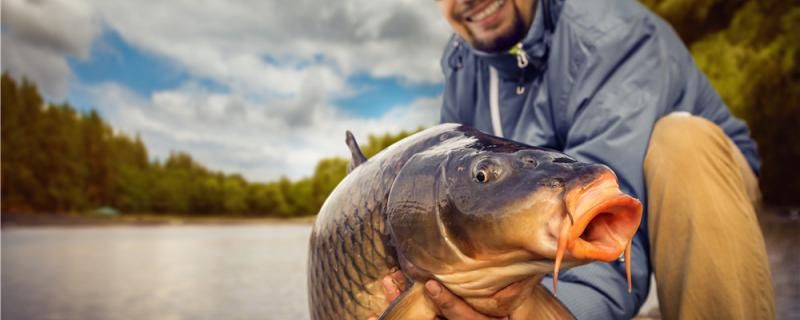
(355, 151)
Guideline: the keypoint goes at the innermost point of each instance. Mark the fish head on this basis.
(489, 217)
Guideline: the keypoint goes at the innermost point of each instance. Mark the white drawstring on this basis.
(494, 102)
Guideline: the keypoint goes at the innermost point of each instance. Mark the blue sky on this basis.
(262, 88)
(376, 96)
(113, 59)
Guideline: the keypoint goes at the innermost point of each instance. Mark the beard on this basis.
(506, 40)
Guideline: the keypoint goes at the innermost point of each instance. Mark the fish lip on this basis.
(607, 235)
(607, 221)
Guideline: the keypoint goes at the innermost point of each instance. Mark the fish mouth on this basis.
(601, 224)
(605, 230)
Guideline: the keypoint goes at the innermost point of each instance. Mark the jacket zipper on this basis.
(494, 88)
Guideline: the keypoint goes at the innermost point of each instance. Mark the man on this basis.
(607, 81)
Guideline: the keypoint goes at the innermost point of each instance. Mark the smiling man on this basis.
(607, 81)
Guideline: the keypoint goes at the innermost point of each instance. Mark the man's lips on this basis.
(484, 10)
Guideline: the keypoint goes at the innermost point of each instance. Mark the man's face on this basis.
(489, 25)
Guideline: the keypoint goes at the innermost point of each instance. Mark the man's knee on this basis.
(682, 138)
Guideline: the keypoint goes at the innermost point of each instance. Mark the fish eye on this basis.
(482, 175)
(486, 171)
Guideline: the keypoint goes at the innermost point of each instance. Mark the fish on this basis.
(485, 216)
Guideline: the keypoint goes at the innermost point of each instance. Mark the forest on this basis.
(59, 160)
(750, 51)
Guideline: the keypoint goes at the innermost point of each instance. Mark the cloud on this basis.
(228, 40)
(277, 67)
(38, 36)
(232, 134)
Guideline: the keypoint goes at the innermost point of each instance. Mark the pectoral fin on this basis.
(411, 304)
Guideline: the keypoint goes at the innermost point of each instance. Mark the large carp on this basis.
(485, 216)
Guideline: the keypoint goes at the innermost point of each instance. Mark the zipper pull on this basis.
(521, 86)
(522, 56)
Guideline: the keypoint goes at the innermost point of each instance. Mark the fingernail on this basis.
(387, 286)
(433, 288)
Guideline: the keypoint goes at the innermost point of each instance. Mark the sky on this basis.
(264, 88)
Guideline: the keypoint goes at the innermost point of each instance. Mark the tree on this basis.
(21, 113)
(328, 173)
(268, 199)
(56, 159)
(750, 49)
(66, 173)
(97, 155)
(234, 189)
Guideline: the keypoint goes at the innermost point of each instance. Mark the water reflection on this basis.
(155, 272)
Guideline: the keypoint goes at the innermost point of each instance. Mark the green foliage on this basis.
(268, 199)
(750, 51)
(328, 173)
(694, 19)
(376, 143)
(56, 159)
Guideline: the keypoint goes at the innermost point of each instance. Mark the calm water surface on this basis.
(155, 272)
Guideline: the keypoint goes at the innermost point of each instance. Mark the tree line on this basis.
(750, 51)
(56, 159)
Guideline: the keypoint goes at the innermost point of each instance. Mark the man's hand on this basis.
(449, 305)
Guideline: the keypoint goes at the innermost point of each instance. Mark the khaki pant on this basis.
(706, 247)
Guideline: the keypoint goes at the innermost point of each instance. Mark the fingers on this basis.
(393, 284)
(399, 280)
(390, 289)
(451, 306)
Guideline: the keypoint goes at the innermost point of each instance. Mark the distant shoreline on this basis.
(11, 220)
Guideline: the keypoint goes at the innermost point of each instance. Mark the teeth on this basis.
(492, 8)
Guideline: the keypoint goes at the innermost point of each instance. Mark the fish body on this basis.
(485, 216)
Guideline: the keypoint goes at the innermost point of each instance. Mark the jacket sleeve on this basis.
(622, 82)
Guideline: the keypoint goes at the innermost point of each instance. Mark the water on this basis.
(155, 272)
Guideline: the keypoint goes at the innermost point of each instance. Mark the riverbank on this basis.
(45, 219)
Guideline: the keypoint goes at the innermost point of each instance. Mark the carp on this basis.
(485, 216)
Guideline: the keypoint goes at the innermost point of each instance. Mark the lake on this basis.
(220, 271)
(155, 272)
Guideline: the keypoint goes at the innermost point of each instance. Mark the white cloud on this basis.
(280, 63)
(228, 133)
(229, 40)
(39, 35)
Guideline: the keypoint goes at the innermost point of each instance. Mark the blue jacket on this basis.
(591, 80)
